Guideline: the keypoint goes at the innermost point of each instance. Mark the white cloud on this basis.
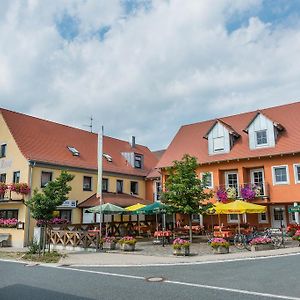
(155, 70)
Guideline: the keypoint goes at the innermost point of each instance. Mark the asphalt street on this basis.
(267, 278)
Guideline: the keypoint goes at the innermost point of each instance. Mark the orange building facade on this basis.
(253, 156)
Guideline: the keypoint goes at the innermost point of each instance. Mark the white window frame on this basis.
(237, 177)
(229, 220)
(260, 221)
(295, 173)
(261, 145)
(212, 179)
(287, 175)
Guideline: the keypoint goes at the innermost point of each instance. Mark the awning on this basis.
(122, 200)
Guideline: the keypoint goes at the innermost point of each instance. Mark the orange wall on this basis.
(149, 190)
(288, 193)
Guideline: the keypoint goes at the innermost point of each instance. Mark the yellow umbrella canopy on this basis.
(216, 208)
(134, 207)
(241, 207)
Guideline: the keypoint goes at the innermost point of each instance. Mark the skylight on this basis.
(74, 151)
(108, 157)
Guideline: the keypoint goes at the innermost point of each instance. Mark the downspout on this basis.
(30, 175)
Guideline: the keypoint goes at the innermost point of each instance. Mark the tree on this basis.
(42, 204)
(184, 191)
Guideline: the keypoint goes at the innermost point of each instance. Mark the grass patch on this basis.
(49, 257)
(10, 255)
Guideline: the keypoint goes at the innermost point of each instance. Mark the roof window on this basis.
(74, 151)
(108, 157)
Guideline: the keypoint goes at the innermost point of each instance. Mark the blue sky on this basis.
(146, 67)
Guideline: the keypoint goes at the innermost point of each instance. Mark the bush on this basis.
(33, 248)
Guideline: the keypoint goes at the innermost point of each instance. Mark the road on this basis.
(264, 278)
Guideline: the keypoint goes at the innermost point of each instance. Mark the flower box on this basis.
(183, 251)
(109, 245)
(128, 247)
(262, 247)
(220, 250)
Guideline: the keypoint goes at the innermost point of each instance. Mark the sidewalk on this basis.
(136, 259)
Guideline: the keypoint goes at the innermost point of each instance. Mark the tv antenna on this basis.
(91, 124)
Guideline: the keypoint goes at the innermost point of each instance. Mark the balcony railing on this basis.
(246, 191)
(11, 196)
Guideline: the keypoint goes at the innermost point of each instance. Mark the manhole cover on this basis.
(155, 279)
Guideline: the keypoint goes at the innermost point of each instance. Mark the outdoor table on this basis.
(161, 233)
(223, 234)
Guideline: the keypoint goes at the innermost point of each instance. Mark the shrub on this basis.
(296, 237)
(260, 241)
(33, 248)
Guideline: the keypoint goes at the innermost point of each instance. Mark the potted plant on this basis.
(20, 188)
(181, 247)
(222, 195)
(248, 193)
(3, 188)
(231, 193)
(127, 243)
(109, 242)
(296, 237)
(219, 245)
(261, 243)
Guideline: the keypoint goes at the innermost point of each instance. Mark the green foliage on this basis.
(185, 192)
(42, 204)
(33, 248)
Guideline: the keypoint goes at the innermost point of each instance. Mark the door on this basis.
(278, 216)
(257, 179)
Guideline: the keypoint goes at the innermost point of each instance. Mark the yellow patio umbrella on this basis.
(216, 210)
(242, 207)
(134, 207)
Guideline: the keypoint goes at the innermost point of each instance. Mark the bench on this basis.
(4, 239)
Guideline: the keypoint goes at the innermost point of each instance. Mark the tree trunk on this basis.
(44, 239)
(190, 224)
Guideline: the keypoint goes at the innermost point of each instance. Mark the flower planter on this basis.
(220, 250)
(262, 247)
(127, 247)
(183, 251)
(109, 246)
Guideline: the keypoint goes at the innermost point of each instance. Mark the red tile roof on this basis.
(122, 200)
(46, 141)
(189, 139)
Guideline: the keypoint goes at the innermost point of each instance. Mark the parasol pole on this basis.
(99, 183)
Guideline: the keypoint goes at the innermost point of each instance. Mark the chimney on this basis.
(133, 141)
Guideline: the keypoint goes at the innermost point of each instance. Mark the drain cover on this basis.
(155, 279)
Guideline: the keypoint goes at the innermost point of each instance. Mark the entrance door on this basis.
(278, 216)
(257, 178)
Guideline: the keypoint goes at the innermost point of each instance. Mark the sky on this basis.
(147, 67)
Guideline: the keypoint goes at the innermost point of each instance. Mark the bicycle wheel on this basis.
(239, 241)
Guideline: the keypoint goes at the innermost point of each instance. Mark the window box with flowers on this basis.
(127, 243)
(181, 247)
(8, 223)
(20, 188)
(219, 245)
(3, 188)
(109, 243)
(222, 195)
(261, 244)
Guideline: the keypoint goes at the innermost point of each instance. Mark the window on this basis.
(16, 177)
(45, 178)
(87, 183)
(9, 214)
(63, 214)
(208, 179)
(134, 187)
(157, 190)
(196, 218)
(280, 175)
(297, 173)
(138, 161)
(261, 137)
(232, 218)
(3, 177)
(74, 151)
(119, 186)
(219, 144)
(3, 150)
(231, 179)
(263, 218)
(105, 185)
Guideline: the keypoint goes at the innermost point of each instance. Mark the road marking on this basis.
(187, 263)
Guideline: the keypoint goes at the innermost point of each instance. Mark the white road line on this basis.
(232, 290)
(186, 263)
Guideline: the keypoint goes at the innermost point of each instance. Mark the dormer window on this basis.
(74, 151)
(138, 161)
(219, 144)
(261, 138)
